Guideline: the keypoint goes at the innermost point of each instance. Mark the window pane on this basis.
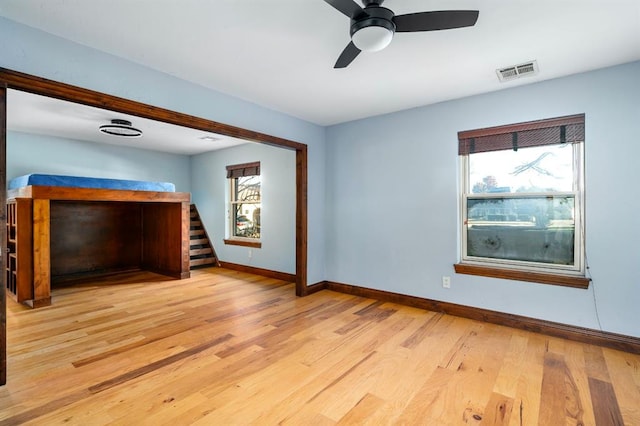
(248, 189)
(246, 220)
(246, 207)
(539, 169)
(532, 229)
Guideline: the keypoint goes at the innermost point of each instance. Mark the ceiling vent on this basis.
(517, 71)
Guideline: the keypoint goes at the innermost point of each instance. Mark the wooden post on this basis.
(185, 222)
(41, 253)
(3, 234)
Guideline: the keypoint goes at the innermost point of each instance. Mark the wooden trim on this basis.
(519, 127)
(97, 194)
(3, 234)
(258, 271)
(67, 92)
(185, 241)
(301, 222)
(40, 86)
(244, 243)
(244, 169)
(517, 275)
(570, 332)
(41, 253)
(314, 288)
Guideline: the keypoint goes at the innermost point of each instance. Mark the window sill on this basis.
(513, 274)
(245, 243)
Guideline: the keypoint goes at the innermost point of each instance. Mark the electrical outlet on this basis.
(250, 253)
(446, 282)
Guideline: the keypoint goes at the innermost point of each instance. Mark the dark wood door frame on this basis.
(3, 233)
(40, 86)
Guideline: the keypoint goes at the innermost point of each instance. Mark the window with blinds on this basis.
(522, 196)
(245, 200)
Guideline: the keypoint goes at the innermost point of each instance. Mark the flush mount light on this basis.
(121, 128)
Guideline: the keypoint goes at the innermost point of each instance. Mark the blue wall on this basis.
(29, 153)
(38, 53)
(278, 228)
(390, 220)
(392, 200)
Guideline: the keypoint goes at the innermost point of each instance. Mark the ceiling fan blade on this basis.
(432, 21)
(348, 7)
(347, 56)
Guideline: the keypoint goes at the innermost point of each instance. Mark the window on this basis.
(522, 201)
(244, 202)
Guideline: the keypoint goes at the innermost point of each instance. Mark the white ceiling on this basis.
(280, 53)
(46, 116)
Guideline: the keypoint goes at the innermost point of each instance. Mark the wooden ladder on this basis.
(201, 251)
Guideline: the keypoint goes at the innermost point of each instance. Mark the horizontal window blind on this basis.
(246, 169)
(569, 129)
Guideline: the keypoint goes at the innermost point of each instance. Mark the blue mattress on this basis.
(89, 182)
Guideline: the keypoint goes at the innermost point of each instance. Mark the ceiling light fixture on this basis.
(375, 32)
(121, 128)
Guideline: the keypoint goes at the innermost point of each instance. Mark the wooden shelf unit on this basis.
(19, 268)
(61, 233)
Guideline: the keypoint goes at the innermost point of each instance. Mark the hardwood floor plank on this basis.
(605, 403)
(595, 364)
(229, 347)
(424, 330)
(498, 410)
(42, 410)
(575, 359)
(130, 375)
(430, 403)
(362, 411)
(626, 383)
(560, 401)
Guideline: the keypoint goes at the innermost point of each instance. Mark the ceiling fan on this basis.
(373, 26)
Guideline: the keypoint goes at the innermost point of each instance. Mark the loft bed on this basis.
(66, 227)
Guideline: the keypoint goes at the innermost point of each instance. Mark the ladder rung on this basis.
(205, 261)
(195, 252)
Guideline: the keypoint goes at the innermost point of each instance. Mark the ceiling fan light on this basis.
(372, 38)
(121, 128)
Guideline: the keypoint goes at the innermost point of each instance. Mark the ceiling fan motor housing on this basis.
(377, 16)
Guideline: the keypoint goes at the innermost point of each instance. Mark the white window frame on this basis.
(577, 269)
(233, 202)
(234, 172)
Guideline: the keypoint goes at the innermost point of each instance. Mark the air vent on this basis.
(517, 71)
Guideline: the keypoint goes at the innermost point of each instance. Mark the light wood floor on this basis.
(230, 348)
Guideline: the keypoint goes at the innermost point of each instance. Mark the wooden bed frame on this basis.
(60, 233)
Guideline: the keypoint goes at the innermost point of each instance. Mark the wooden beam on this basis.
(66, 92)
(301, 221)
(3, 234)
(54, 89)
(41, 253)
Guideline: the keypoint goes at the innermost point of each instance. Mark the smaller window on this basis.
(244, 201)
